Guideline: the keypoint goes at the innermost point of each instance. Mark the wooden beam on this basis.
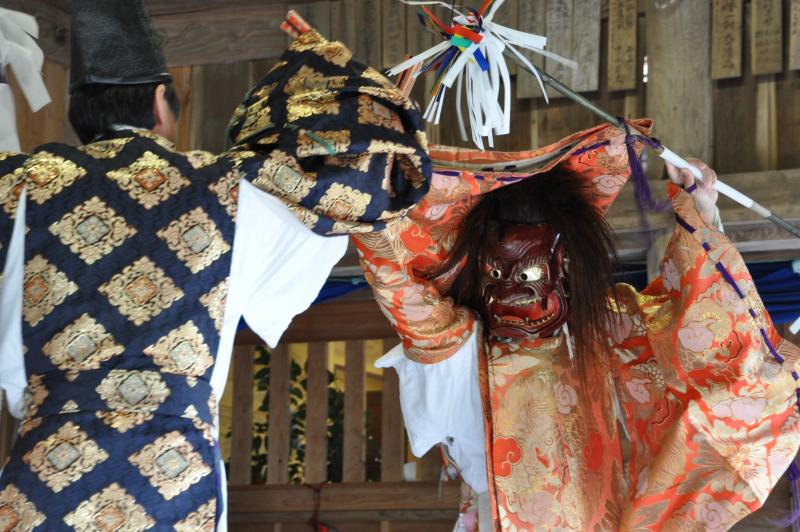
(316, 466)
(278, 429)
(355, 497)
(354, 452)
(192, 33)
(242, 414)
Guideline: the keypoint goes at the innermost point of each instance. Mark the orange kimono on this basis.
(698, 383)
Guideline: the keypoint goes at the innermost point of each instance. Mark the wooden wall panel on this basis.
(343, 22)
(216, 91)
(532, 19)
(726, 39)
(766, 34)
(369, 45)
(48, 124)
(393, 33)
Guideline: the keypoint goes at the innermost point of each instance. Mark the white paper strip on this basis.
(487, 93)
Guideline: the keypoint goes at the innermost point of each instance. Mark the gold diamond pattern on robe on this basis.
(342, 202)
(195, 239)
(203, 519)
(149, 180)
(134, 395)
(48, 174)
(111, 509)
(83, 344)
(44, 288)
(92, 230)
(284, 177)
(215, 301)
(170, 464)
(105, 149)
(17, 513)
(226, 189)
(183, 351)
(141, 290)
(64, 457)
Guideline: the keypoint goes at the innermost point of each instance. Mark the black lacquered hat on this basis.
(113, 42)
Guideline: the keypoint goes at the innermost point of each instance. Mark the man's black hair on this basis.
(94, 109)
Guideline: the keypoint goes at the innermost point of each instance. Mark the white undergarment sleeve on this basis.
(12, 362)
(441, 403)
(277, 270)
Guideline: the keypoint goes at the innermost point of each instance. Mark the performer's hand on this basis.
(705, 195)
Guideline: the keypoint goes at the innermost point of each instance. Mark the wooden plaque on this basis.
(586, 45)
(726, 39)
(794, 35)
(766, 36)
(622, 64)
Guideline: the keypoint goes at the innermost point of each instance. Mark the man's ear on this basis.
(164, 118)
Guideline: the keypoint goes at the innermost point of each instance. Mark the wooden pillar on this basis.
(354, 452)
(242, 425)
(679, 89)
(316, 467)
(392, 442)
(278, 429)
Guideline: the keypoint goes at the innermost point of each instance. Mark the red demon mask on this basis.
(524, 284)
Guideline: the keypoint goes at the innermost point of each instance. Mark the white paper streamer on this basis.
(19, 50)
(487, 93)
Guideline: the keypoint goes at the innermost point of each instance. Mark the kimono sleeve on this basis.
(706, 384)
(334, 140)
(12, 368)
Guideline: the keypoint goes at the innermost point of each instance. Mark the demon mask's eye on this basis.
(495, 273)
(530, 274)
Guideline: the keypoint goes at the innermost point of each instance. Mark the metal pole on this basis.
(664, 152)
